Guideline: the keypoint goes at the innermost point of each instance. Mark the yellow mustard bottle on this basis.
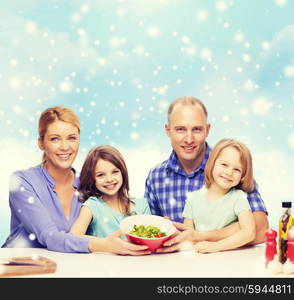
(285, 223)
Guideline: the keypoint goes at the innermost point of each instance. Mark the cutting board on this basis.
(26, 265)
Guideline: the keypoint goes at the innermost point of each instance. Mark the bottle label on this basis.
(285, 223)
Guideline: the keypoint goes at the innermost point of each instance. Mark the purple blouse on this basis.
(37, 217)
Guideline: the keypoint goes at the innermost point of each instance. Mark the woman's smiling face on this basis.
(60, 144)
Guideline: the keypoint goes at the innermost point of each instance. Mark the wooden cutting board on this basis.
(26, 265)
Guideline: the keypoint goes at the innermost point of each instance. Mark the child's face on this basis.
(227, 171)
(108, 178)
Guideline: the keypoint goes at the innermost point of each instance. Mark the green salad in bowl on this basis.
(148, 231)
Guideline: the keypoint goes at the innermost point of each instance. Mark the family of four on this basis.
(209, 194)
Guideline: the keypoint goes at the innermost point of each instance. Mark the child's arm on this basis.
(245, 235)
(190, 233)
(189, 223)
(81, 224)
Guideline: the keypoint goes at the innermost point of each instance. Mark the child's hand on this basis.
(178, 240)
(206, 247)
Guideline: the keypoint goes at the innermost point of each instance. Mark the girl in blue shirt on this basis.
(104, 191)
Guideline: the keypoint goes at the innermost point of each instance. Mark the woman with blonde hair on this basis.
(44, 199)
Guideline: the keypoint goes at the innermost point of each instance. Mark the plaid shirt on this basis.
(167, 186)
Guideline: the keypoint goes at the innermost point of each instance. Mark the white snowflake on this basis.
(291, 140)
(239, 36)
(31, 27)
(134, 135)
(281, 2)
(31, 200)
(172, 202)
(153, 31)
(261, 106)
(221, 5)
(66, 86)
(32, 237)
(201, 15)
(289, 71)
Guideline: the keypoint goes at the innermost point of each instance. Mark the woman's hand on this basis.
(115, 244)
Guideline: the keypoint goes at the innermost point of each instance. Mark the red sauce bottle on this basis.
(271, 245)
(290, 245)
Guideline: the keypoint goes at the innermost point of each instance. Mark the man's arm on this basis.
(260, 214)
(261, 225)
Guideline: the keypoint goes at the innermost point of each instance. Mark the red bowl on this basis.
(165, 225)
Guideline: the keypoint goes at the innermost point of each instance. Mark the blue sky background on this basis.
(119, 64)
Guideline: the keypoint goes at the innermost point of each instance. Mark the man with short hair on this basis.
(168, 183)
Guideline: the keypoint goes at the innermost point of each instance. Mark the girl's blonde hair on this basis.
(247, 181)
(88, 187)
(53, 114)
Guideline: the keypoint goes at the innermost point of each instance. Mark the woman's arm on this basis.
(115, 244)
(81, 224)
(245, 235)
(36, 218)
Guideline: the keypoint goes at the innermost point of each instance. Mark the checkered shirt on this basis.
(167, 187)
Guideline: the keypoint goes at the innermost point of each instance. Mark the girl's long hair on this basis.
(87, 187)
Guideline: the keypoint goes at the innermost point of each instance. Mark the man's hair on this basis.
(186, 100)
(247, 182)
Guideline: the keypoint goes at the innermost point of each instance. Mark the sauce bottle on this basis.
(290, 245)
(271, 246)
(285, 222)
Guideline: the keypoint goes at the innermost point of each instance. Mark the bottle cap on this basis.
(271, 234)
(287, 204)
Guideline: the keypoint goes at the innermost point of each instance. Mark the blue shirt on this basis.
(105, 220)
(167, 185)
(37, 217)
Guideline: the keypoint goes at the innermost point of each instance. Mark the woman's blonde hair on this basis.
(247, 181)
(87, 187)
(53, 114)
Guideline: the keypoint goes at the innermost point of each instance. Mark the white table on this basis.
(245, 262)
